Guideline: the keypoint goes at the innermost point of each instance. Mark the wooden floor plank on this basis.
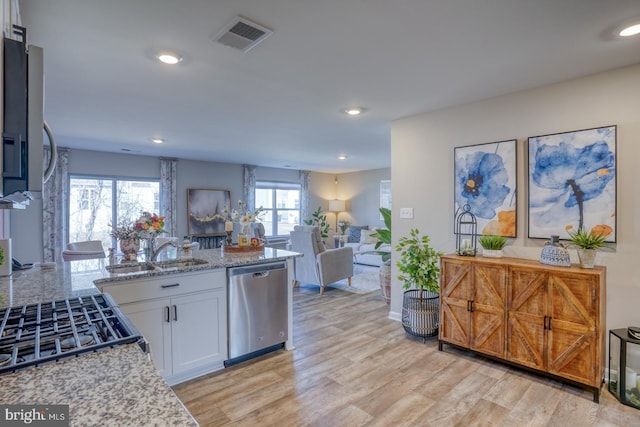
(354, 366)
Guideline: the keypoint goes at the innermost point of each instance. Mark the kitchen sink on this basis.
(180, 263)
(128, 269)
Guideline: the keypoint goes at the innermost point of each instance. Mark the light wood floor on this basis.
(353, 366)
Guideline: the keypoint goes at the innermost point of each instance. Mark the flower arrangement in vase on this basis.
(148, 226)
(343, 225)
(245, 217)
(129, 239)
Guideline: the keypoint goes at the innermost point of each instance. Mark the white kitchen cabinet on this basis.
(182, 316)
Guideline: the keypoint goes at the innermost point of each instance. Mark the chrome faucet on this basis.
(156, 251)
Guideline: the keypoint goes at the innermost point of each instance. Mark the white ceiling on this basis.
(279, 104)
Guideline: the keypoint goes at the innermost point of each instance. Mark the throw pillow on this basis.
(365, 237)
(354, 233)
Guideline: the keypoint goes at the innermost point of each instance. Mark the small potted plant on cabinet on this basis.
(492, 245)
(384, 238)
(587, 243)
(420, 267)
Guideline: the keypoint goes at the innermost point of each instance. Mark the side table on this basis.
(339, 240)
(624, 367)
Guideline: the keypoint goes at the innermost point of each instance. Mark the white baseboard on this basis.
(394, 315)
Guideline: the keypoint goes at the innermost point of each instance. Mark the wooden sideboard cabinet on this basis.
(543, 318)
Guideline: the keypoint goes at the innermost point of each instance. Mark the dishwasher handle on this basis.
(259, 270)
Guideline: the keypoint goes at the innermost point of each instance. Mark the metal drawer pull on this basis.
(173, 285)
(167, 314)
(175, 313)
(547, 322)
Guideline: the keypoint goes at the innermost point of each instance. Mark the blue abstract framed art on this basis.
(485, 180)
(572, 183)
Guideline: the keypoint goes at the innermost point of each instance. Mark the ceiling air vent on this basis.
(242, 34)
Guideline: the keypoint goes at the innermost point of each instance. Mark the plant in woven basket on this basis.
(419, 263)
(420, 268)
(383, 235)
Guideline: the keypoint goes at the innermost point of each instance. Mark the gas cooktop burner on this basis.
(36, 334)
(84, 340)
(4, 359)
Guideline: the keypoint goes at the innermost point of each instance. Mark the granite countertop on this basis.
(77, 278)
(119, 384)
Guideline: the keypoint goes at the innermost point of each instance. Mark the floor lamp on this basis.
(337, 206)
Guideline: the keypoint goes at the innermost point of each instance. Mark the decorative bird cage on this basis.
(466, 231)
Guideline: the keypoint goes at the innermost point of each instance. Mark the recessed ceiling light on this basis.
(354, 111)
(168, 57)
(342, 157)
(630, 30)
(157, 140)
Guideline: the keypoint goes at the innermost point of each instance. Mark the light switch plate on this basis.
(406, 213)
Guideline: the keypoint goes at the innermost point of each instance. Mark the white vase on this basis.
(587, 257)
(130, 248)
(492, 253)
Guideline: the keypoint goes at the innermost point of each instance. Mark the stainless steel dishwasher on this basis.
(258, 315)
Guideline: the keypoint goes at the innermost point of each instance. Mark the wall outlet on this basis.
(406, 213)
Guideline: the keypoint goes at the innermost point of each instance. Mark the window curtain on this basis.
(304, 195)
(10, 16)
(168, 194)
(55, 199)
(249, 186)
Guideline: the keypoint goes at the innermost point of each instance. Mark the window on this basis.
(98, 204)
(281, 204)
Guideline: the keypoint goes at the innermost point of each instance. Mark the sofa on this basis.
(360, 241)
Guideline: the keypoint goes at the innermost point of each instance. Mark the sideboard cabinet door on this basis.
(527, 317)
(473, 301)
(455, 294)
(573, 327)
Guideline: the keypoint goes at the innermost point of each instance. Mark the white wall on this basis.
(195, 174)
(362, 192)
(422, 168)
(26, 225)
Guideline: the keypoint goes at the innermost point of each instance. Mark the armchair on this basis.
(89, 249)
(319, 266)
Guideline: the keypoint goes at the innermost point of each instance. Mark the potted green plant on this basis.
(492, 245)
(384, 238)
(319, 219)
(587, 243)
(420, 267)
